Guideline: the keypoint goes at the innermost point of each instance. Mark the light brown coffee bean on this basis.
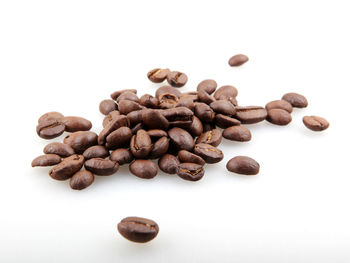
(81, 140)
(223, 106)
(110, 117)
(315, 123)
(279, 104)
(208, 85)
(49, 129)
(226, 92)
(128, 95)
(224, 121)
(141, 144)
(158, 75)
(117, 93)
(126, 106)
(238, 60)
(61, 149)
(74, 124)
(116, 123)
(177, 79)
(46, 160)
(250, 114)
(237, 133)
(67, 168)
(119, 138)
(106, 106)
(279, 117)
(49, 116)
(295, 99)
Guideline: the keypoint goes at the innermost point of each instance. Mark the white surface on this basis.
(69, 55)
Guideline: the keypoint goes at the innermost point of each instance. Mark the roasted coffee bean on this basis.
(212, 137)
(296, 100)
(144, 169)
(208, 127)
(100, 166)
(158, 75)
(81, 140)
(117, 93)
(106, 106)
(224, 121)
(67, 168)
(167, 89)
(74, 124)
(208, 85)
(279, 117)
(128, 95)
(122, 156)
(190, 171)
(138, 229)
(250, 114)
(181, 139)
(188, 157)
(160, 147)
(49, 129)
(185, 101)
(178, 116)
(209, 153)
(238, 60)
(315, 123)
(153, 119)
(149, 101)
(96, 151)
(196, 127)
(176, 79)
(156, 134)
(168, 163)
(137, 127)
(46, 160)
(243, 165)
(82, 179)
(115, 123)
(135, 117)
(204, 112)
(193, 95)
(49, 116)
(279, 104)
(226, 92)
(237, 133)
(205, 97)
(61, 149)
(223, 106)
(126, 106)
(119, 138)
(141, 144)
(168, 101)
(110, 117)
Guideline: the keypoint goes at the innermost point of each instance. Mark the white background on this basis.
(67, 56)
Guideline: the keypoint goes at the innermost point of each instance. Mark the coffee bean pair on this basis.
(174, 78)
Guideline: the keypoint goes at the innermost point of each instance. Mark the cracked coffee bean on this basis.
(190, 171)
(209, 153)
(141, 144)
(212, 137)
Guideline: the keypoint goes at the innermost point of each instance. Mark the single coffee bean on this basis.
(205, 97)
(238, 60)
(100, 166)
(59, 148)
(156, 134)
(209, 153)
(135, 117)
(81, 140)
(237, 133)
(208, 127)
(137, 127)
(168, 163)
(117, 93)
(49, 116)
(122, 156)
(226, 92)
(178, 116)
(126, 106)
(116, 123)
(196, 127)
(167, 89)
(49, 129)
(141, 144)
(158, 75)
(67, 168)
(138, 229)
(119, 138)
(315, 123)
(188, 157)
(149, 101)
(204, 112)
(144, 169)
(250, 114)
(190, 171)
(296, 100)
(128, 95)
(74, 124)
(192, 94)
(82, 179)
(106, 106)
(212, 137)
(154, 119)
(185, 101)
(181, 139)
(224, 121)
(208, 85)
(46, 160)
(110, 117)
(96, 151)
(160, 147)
(279, 104)
(168, 101)
(243, 165)
(176, 79)
(279, 117)
(223, 106)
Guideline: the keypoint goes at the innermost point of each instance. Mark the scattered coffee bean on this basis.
(49, 116)
(208, 85)
(224, 121)
(117, 93)
(237, 133)
(118, 138)
(181, 139)
(168, 163)
(74, 124)
(141, 144)
(315, 123)
(106, 106)
(176, 79)
(188, 157)
(250, 114)
(212, 137)
(46, 160)
(49, 129)
(279, 117)
(190, 171)
(209, 153)
(296, 100)
(61, 149)
(138, 229)
(67, 168)
(223, 106)
(100, 166)
(158, 75)
(122, 156)
(81, 179)
(96, 151)
(243, 165)
(279, 104)
(226, 92)
(238, 60)
(144, 169)
(81, 140)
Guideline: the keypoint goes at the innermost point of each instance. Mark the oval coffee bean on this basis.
(238, 60)
(101, 166)
(46, 160)
(169, 90)
(128, 95)
(196, 127)
(61, 149)
(279, 104)
(181, 139)
(279, 117)
(212, 137)
(96, 151)
(178, 116)
(188, 157)
(49, 116)
(138, 229)
(74, 124)
(81, 140)
(154, 120)
(141, 144)
(190, 171)
(250, 114)
(122, 156)
(243, 165)
(135, 117)
(126, 106)
(185, 101)
(192, 94)
(159, 148)
(237, 133)
(118, 138)
(168, 101)
(223, 106)
(49, 129)
(110, 117)
(295, 99)
(156, 133)
(315, 123)
(168, 163)
(177, 79)
(158, 75)
(205, 97)
(226, 92)
(204, 112)
(82, 179)
(144, 169)
(115, 123)
(67, 168)
(106, 106)
(149, 101)
(209, 153)
(208, 85)
(115, 95)
(224, 121)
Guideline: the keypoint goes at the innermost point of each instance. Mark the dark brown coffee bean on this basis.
(117, 93)
(46, 160)
(49, 129)
(115, 123)
(208, 127)
(190, 171)
(154, 119)
(138, 229)
(122, 156)
(158, 75)
(128, 95)
(134, 117)
(178, 116)
(81, 140)
(205, 97)
(224, 121)
(160, 147)
(188, 157)
(96, 151)
(279, 117)
(156, 134)
(181, 139)
(67, 168)
(168, 163)
(193, 95)
(149, 101)
(74, 124)
(100, 166)
(110, 117)
(167, 89)
(212, 137)
(137, 127)
(126, 106)
(238, 60)
(196, 127)
(204, 112)
(209, 153)
(208, 85)
(49, 116)
(119, 138)
(250, 114)
(168, 101)
(185, 101)
(237, 133)
(144, 169)
(141, 144)
(296, 100)
(279, 104)
(176, 79)
(106, 106)
(315, 123)
(223, 106)
(226, 92)
(243, 165)
(58, 148)
(82, 179)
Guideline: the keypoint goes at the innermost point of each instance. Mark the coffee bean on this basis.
(190, 171)
(185, 101)
(279, 104)
(126, 106)
(178, 116)
(193, 95)
(204, 112)
(158, 75)
(100, 166)
(204, 97)
(49, 129)
(250, 114)
(122, 156)
(176, 79)
(117, 93)
(160, 147)
(296, 100)
(154, 119)
(168, 163)
(243, 165)
(209, 153)
(223, 106)
(141, 144)
(116, 123)
(49, 116)
(188, 157)
(81, 140)
(212, 137)
(167, 89)
(225, 92)
(279, 117)
(119, 138)
(128, 95)
(135, 117)
(208, 85)
(82, 179)
(224, 121)
(149, 101)
(144, 169)
(74, 124)
(156, 134)
(138, 229)
(110, 117)
(137, 127)
(58, 148)
(315, 123)
(181, 139)
(106, 106)
(196, 127)
(238, 60)
(46, 160)
(67, 168)
(237, 133)
(96, 151)
(168, 101)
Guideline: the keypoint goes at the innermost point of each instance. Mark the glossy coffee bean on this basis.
(155, 134)
(208, 85)
(135, 117)
(110, 117)
(168, 163)
(167, 89)
(250, 114)
(204, 112)
(126, 106)
(168, 101)
(224, 121)
(188, 157)
(122, 156)
(49, 116)
(49, 129)
(46, 160)
(160, 147)
(177, 79)
(190, 171)
(115, 95)
(238, 60)
(279, 104)
(61, 149)
(158, 75)
(279, 117)
(144, 169)
(81, 179)
(243, 165)
(106, 106)
(128, 95)
(315, 123)
(212, 137)
(209, 153)
(223, 106)
(178, 116)
(138, 229)
(141, 144)
(205, 97)
(119, 138)
(181, 139)
(81, 140)
(196, 127)
(296, 100)
(67, 168)
(96, 151)
(149, 101)
(100, 166)
(115, 123)
(225, 92)
(237, 133)
(154, 119)
(74, 124)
